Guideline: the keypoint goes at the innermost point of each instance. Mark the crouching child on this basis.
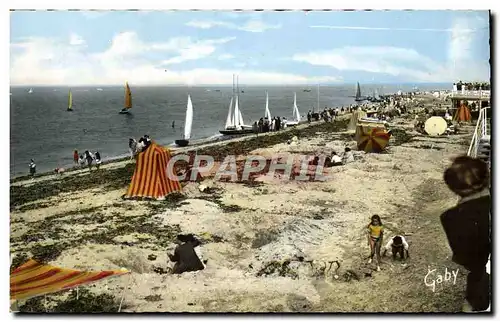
(397, 245)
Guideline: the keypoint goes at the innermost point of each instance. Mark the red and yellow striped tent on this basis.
(34, 279)
(150, 178)
(462, 114)
(372, 139)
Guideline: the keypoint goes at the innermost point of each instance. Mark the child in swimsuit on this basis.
(375, 232)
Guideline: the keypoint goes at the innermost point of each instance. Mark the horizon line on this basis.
(224, 85)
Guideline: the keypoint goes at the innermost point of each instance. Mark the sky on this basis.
(206, 47)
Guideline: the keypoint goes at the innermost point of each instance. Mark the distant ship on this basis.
(99, 89)
(307, 90)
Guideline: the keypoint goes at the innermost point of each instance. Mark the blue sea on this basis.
(42, 129)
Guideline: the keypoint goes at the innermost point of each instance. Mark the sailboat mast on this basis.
(318, 98)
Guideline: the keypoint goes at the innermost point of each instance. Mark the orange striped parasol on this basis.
(34, 279)
(372, 139)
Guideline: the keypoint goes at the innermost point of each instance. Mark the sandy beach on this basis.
(253, 232)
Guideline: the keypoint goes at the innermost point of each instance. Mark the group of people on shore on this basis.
(80, 160)
(87, 159)
(265, 125)
(474, 86)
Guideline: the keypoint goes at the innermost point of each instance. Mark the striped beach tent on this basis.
(150, 178)
(34, 279)
(463, 114)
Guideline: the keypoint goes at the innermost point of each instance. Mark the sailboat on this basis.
(358, 97)
(234, 120)
(187, 125)
(30, 90)
(316, 114)
(70, 102)
(128, 100)
(295, 114)
(267, 113)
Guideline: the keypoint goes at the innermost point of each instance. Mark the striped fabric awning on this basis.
(34, 279)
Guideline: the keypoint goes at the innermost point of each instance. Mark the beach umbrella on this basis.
(372, 139)
(34, 279)
(435, 125)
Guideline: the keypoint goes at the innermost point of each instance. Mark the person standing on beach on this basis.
(75, 157)
(89, 159)
(375, 232)
(81, 161)
(97, 160)
(309, 116)
(32, 166)
(467, 227)
(173, 124)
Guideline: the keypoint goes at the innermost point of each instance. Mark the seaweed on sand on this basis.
(264, 237)
(172, 201)
(18, 260)
(51, 228)
(281, 268)
(87, 302)
(47, 253)
(216, 198)
(110, 179)
(400, 137)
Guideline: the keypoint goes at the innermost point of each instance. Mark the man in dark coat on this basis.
(467, 226)
(185, 257)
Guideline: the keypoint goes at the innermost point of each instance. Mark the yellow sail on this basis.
(128, 97)
(70, 100)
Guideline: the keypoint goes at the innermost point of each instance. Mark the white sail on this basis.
(229, 120)
(30, 91)
(189, 119)
(236, 114)
(295, 108)
(240, 118)
(267, 113)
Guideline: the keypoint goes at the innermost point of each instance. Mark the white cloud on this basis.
(225, 57)
(93, 14)
(387, 60)
(76, 40)
(254, 25)
(42, 61)
(383, 28)
(462, 62)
